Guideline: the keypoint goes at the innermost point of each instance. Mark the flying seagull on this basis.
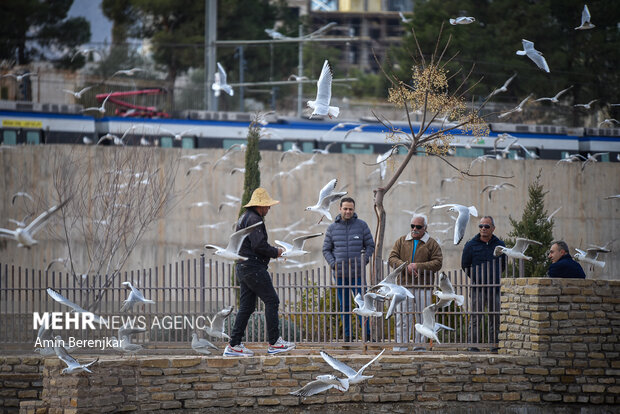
(25, 235)
(503, 88)
(554, 99)
(389, 288)
(586, 106)
(353, 377)
(320, 106)
(320, 384)
(77, 94)
(590, 256)
(220, 82)
(462, 219)
(535, 55)
(366, 306)
(518, 250)
(128, 72)
(135, 297)
(585, 19)
(216, 328)
(429, 327)
(447, 294)
(462, 20)
(518, 108)
(72, 364)
(231, 252)
(496, 187)
(403, 18)
(21, 194)
(327, 196)
(64, 301)
(100, 109)
(297, 248)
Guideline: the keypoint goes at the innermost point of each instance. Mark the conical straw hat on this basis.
(260, 198)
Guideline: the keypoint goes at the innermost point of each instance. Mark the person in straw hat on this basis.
(254, 280)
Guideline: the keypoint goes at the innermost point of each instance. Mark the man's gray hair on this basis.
(422, 216)
(490, 218)
(562, 245)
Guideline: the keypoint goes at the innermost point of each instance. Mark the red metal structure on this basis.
(126, 109)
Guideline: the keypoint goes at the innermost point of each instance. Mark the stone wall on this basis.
(20, 379)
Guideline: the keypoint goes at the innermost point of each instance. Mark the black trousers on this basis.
(254, 281)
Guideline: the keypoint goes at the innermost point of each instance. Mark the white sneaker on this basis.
(280, 346)
(400, 349)
(237, 351)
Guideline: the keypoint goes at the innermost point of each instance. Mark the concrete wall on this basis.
(585, 218)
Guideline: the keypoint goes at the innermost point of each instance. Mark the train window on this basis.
(307, 146)
(605, 157)
(357, 148)
(287, 145)
(187, 142)
(166, 142)
(9, 137)
(471, 152)
(33, 137)
(227, 143)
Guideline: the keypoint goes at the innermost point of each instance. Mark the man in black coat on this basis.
(562, 265)
(484, 271)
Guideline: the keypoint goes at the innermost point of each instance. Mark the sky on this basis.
(100, 26)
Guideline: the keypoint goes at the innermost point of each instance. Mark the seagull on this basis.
(134, 297)
(297, 78)
(320, 106)
(114, 138)
(327, 196)
(392, 290)
(190, 252)
(353, 377)
(366, 306)
(194, 157)
(382, 161)
(592, 159)
(480, 159)
(129, 348)
(503, 88)
(86, 52)
(449, 180)
(18, 78)
(197, 167)
(496, 187)
(236, 148)
(296, 249)
(355, 129)
(611, 197)
(86, 140)
(462, 220)
(61, 260)
(72, 364)
(403, 18)
(325, 150)
(585, 19)
(553, 214)
(21, 223)
(78, 94)
(289, 228)
(530, 154)
(231, 252)
(212, 226)
(320, 384)
(293, 150)
(609, 122)
(100, 109)
(25, 235)
(590, 255)
(220, 82)
(428, 326)
(405, 182)
(21, 194)
(462, 20)
(216, 328)
(586, 106)
(64, 301)
(180, 135)
(447, 294)
(518, 108)
(128, 329)
(535, 55)
(517, 251)
(554, 99)
(201, 345)
(128, 72)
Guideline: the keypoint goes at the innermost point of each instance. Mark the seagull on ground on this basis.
(78, 94)
(462, 20)
(320, 384)
(518, 108)
(220, 82)
(216, 327)
(518, 250)
(396, 293)
(496, 187)
(586, 106)
(554, 99)
(231, 252)
(327, 196)
(320, 106)
(462, 219)
(429, 328)
(72, 364)
(353, 377)
(201, 345)
(297, 248)
(535, 55)
(77, 309)
(134, 297)
(25, 235)
(503, 88)
(585, 19)
(590, 256)
(366, 306)
(21, 194)
(447, 294)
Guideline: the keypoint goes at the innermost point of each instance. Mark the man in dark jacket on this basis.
(254, 280)
(484, 269)
(562, 265)
(345, 241)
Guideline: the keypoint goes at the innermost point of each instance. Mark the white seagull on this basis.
(553, 214)
(201, 345)
(517, 251)
(78, 94)
(585, 19)
(518, 108)
(100, 109)
(382, 161)
(275, 34)
(554, 99)
(320, 106)
(462, 20)
(392, 290)
(21, 194)
(25, 235)
(427, 328)
(297, 248)
(366, 306)
(72, 364)
(220, 82)
(231, 252)
(590, 255)
(535, 55)
(18, 78)
(462, 220)
(403, 18)
(503, 88)
(447, 294)
(86, 52)
(134, 297)
(327, 195)
(77, 309)
(586, 106)
(128, 72)
(496, 187)
(320, 384)
(353, 377)
(216, 328)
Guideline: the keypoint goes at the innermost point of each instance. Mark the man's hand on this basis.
(280, 251)
(412, 269)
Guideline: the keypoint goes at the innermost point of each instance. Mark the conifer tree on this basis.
(534, 225)
(252, 158)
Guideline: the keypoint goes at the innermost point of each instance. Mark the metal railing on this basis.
(189, 292)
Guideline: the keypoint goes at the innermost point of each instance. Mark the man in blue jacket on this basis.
(484, 269)
(562, 265)
(345, 241)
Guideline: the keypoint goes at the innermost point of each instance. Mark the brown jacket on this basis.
(428, 257)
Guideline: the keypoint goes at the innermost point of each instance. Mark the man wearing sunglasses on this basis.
(483, 269)
(423, 256)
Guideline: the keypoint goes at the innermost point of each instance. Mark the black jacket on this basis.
(476, 254)
(255, 246)
(566, 267)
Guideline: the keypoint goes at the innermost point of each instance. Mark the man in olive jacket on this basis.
(423, 256)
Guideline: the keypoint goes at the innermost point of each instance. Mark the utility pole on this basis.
(210, 52)
(300, 72)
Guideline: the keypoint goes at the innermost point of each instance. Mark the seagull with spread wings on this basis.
(320, 384)
(220, 84)
(327, 196)
(353, 377)
(585, 19)
(216, 327)
(320, 106)
(447, 293)
(503, 88)
(231, 252)
(297, 248)
(135, 297)
(72, 364)
(518, 108)
(462, 219)
(518, 250)
(536, 56)
(554, 99)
